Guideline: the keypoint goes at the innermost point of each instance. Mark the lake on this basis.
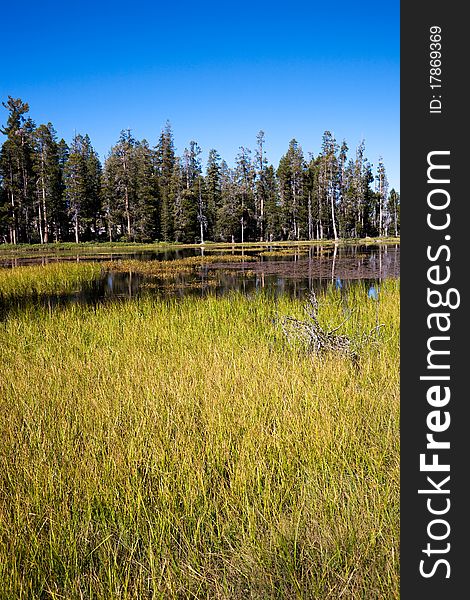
(274, 269)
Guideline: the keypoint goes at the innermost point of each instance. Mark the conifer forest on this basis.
(54, 190)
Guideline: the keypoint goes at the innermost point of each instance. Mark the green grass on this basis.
(53, 278)
(286, 252)
(172, 268)
(72, 246)
(182, 449)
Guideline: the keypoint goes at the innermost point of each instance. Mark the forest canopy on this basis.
(51, 190)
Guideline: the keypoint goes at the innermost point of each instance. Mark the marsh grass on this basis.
(172, 286)
(182, 449)
(286, 252)
(67, 248)
(172, 268)
(53, 278)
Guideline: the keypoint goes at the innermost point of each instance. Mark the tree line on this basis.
(52, 191)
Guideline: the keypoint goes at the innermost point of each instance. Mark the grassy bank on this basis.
(182, 449)
(54, 278)
(103, 248)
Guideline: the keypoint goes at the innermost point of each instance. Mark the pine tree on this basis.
(291, 182)
(83, 187)
(112, 212)
(348, 204)
(192, 216)
(271, 217)
(245, 178)
(311, 183)
(91, 208)
(213, 192)
(131, 190)
(46, 165)
(123, 152)
(358, 184)
(165, 163)
(75, 184)
(176, 190)
(16, 170)
(328, 180)
(369, 201)
(342, 187)
(261, 188)
(59, 216)
(201, 208)
(382, 193)
(146, 194)
(394, 211)
(229, 212)
(4, 210)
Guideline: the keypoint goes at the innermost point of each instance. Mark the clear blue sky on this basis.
(218, 71)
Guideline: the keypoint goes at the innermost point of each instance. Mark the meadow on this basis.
(183, 448)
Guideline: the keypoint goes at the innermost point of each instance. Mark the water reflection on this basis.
(276, 270)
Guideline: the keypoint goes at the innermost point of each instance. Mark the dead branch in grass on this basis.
(319, 340)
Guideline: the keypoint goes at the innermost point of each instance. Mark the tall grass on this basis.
(53, 278)
(182, 449)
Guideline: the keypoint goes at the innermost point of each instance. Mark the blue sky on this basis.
(218, 71)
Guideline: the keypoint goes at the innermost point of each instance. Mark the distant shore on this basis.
(24, 250)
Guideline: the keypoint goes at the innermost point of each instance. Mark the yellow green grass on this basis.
(286, 252)
(52, 278)
(171, 268)
(103, 248)
(182, 449)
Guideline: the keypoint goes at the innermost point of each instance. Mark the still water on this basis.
(294, 274)
(275, 270)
